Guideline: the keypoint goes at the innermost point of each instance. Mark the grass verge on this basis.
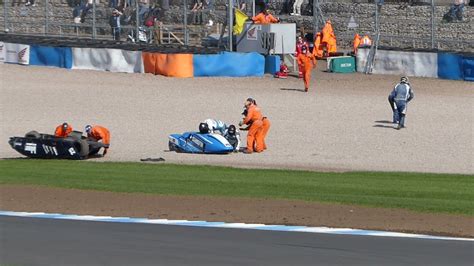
(423, 192)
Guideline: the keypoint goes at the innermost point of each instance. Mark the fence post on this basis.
(5, 15)
(137, 22)
(94, 32)
(185, 22)
(45, 17)
(230, 23)
(432, 24)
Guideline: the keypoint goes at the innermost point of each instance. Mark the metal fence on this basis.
(153, 22)
(403, 24)
(426, 24)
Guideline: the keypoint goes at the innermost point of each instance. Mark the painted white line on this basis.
(282, 228)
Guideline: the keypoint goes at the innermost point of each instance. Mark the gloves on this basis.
(241, 123)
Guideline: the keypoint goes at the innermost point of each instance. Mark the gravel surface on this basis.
(341, 124)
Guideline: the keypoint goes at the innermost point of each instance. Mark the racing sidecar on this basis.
(195, 142)
(44, 146)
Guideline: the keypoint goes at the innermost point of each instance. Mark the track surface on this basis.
(32, 241)
(340, 124)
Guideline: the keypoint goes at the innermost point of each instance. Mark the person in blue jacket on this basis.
(399, 98)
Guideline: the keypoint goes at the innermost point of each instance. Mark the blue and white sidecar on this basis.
(195, 142)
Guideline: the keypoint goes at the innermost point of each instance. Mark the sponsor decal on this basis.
(16, 143)
(252, 33)
(71, 151)
(31, 147)
(21, 55)
(50, 150)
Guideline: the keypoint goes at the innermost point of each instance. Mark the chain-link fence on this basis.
(425, 24)
(399, 23)
(184, 22)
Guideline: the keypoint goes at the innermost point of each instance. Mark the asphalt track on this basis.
(33, 241)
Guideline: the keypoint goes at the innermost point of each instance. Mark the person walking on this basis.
(401, 95)
(308, 62)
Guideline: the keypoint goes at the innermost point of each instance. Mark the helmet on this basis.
(231, 130)
(304, 49)
(88, 128)
(65, 126)
(203, 128)
(404, 79)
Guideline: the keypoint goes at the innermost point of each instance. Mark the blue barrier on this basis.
(272, 64)
(450, 66)
(229, 65)
(468, 68)
(51, 56)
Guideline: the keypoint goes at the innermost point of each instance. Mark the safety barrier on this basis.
(15, 53)
(117, 60)
(170, 65)
(51, 56)
(113, 60)
(468, 68)
(419, 64)
(229, 65)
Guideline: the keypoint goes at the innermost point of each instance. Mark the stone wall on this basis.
(401, 25)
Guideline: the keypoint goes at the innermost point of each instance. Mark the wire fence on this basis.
(428, 24)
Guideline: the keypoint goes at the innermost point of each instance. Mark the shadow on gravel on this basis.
(290, 89)
(384, 126)
(383, 121)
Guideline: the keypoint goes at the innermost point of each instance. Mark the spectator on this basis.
(265, 18)
(115, 22)
(455, 12)
(300, 43)
(197, 12)
(30, 3)
(143, 8)
(297, 8)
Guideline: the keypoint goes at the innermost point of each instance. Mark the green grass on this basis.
(435, 193)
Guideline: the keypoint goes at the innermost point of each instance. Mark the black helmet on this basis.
(65, 126)
(203, 128)
(404, 79)
(231, 130)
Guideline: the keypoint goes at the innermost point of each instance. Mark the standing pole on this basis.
(185, 21)
(45, 17)
(137, 22)
(253, 8)
(315, 18)
(376, 18)
(5, 15)
(231, 23)
(94, 31)
(432, 24)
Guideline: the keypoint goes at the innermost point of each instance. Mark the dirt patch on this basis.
(267, 211)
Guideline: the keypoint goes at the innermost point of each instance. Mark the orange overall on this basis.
(308, 62)
(61, 133)
(318, 47)
(261, 18)
(265, 129)
(254, 135)
(356, 43)
(329, 38)
(100, 133)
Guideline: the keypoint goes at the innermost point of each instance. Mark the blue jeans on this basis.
(402, 109)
